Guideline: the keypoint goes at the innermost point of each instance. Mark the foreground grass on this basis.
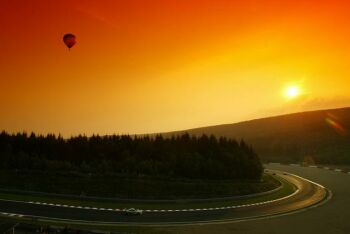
(127, 186)
(287, 189)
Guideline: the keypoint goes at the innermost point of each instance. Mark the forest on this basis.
(182, 156)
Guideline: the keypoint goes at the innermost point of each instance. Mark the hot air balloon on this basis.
(69, 39)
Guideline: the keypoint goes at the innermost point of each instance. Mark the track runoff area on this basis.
(307, 194)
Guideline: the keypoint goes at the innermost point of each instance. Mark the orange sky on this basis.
(154, 65)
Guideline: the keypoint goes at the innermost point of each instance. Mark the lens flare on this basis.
(331, 120)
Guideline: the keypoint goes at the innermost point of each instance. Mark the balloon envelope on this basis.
(69, 39)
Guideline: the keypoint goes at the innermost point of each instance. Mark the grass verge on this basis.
(287, 189)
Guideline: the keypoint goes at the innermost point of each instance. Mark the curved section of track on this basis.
(308, 194)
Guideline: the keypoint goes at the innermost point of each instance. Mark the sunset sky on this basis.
(144, 66)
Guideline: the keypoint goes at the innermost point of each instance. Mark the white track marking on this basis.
(183, 210)
(191, 210)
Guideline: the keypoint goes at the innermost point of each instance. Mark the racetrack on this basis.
(308, 194)
(330, 218)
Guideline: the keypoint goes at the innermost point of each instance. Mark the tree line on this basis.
(184, 156)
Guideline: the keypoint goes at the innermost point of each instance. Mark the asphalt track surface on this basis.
(307, 195)
(332, 217)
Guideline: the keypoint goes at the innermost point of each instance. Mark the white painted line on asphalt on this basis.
(212, 208)
(307, 181)
(338, 170)
(11, 214)
(109, 209)
(312, 166)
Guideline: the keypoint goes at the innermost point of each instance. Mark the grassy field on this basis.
(287, 189)
(121, 186)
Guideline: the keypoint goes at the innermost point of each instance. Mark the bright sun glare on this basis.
(292, 91)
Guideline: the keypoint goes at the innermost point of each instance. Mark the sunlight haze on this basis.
(156, 66)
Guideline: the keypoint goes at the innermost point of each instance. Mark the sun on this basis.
(292, 91)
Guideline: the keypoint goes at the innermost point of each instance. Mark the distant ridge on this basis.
(320, 136)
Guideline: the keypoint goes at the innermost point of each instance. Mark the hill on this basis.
(316, 136)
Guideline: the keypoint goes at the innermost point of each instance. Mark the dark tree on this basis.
(204, 157)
